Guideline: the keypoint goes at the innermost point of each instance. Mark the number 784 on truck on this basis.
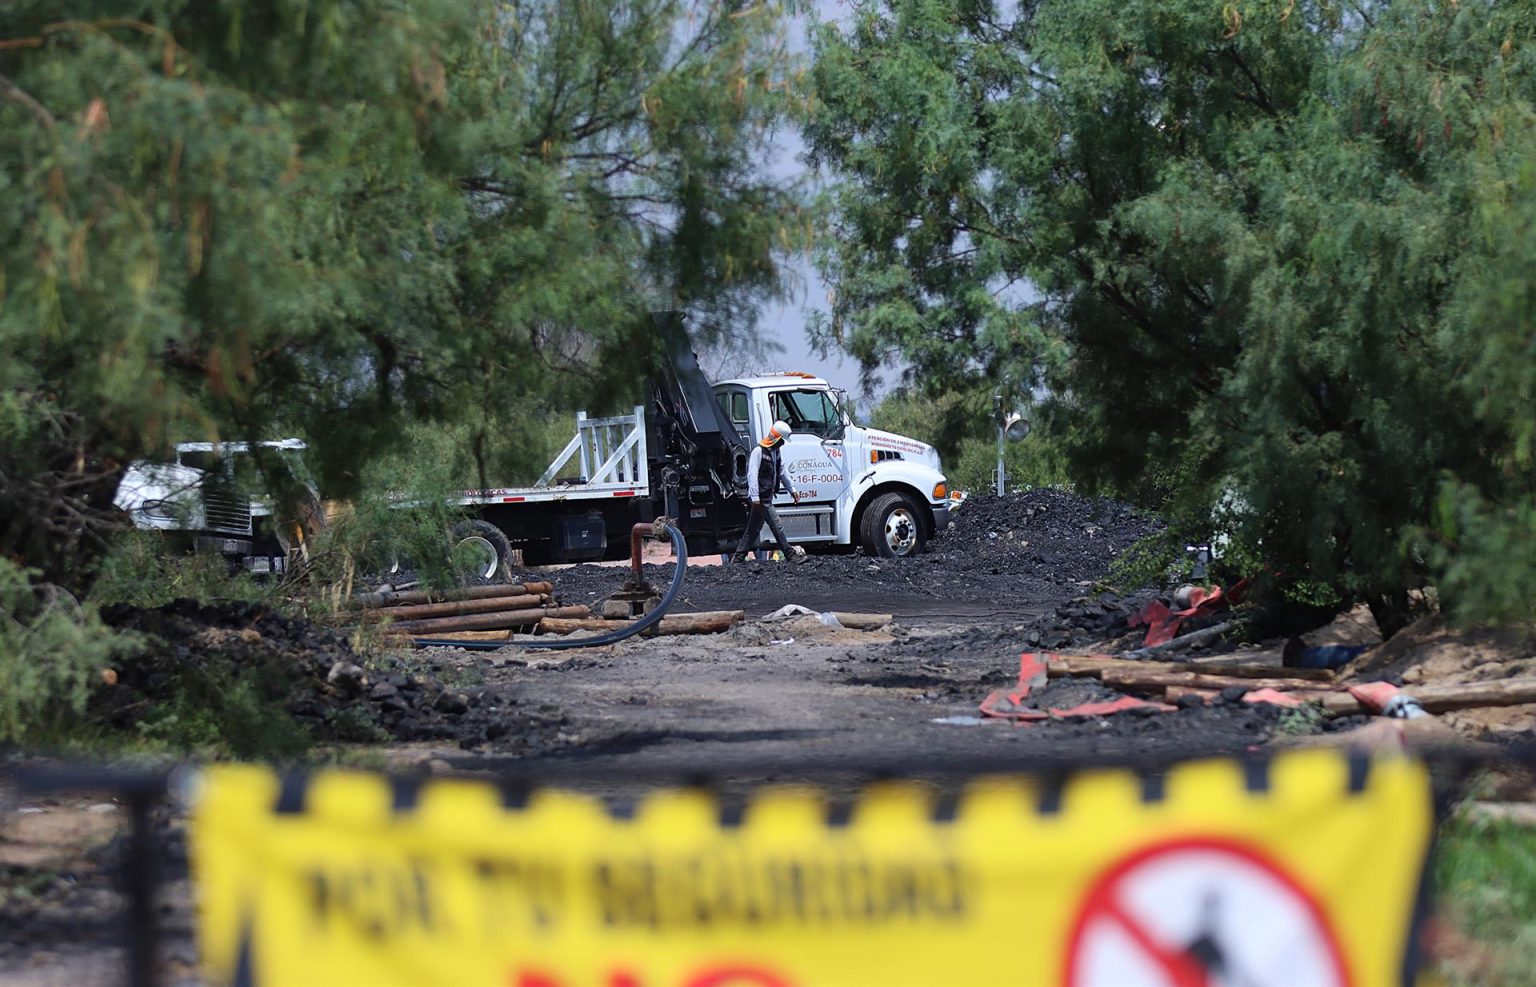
(683, 455)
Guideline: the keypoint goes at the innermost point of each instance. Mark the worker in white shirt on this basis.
(766, 475)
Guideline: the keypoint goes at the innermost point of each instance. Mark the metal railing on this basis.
(611, 451)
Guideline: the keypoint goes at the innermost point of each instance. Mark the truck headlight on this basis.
(940, 491)
(160, 510)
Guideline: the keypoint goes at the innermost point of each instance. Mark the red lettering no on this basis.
(725, 976)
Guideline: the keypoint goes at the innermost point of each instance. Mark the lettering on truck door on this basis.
(814, 454)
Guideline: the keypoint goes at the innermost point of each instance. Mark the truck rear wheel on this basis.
(481, 549)
(892, 528)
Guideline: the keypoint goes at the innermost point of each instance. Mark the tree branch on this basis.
(1261, 97)
(12, 92)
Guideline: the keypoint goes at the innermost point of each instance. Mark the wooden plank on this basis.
(1155, 678)
(1464, 695)
(708, 622)
(1095, 665)
(1450, 696)
(1433, 698)
(493, 636)
(862, 621)
(487, 621)
(1176, 692)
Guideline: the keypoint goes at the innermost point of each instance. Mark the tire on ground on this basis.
(901, 515)
(482, 534)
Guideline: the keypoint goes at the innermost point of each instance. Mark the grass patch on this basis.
(1485, 879)
(142, 571)
(215, 713)
(1302, 721)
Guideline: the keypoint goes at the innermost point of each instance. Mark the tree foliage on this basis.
(337, 217)
(962, 424)
(1284, 245)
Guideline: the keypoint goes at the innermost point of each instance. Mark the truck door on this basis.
(814, 454)
(736, 402)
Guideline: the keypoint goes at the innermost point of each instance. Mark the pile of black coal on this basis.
(1027, 546)
(263, 683)
(1072, 537)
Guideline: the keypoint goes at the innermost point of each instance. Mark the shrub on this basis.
(141, 570)
(52, 650)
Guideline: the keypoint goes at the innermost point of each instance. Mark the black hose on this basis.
(679, 546)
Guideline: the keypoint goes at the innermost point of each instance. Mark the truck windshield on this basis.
(807, 411)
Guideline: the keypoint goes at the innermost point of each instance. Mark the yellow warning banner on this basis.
(1303, 871)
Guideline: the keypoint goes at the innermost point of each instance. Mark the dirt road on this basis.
(788, 699)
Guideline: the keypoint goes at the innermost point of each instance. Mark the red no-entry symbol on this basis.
(1202, 913)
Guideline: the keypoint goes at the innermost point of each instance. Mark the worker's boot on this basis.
(738, 558)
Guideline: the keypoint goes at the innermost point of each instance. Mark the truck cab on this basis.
(211, 499)
(858, 486)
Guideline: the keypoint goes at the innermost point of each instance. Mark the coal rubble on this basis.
(1079, 623)
(1050, 533)
(1012, 550)
(200, 657)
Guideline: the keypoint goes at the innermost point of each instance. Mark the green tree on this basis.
(1273, 238)
(341, 217)
(961, 423)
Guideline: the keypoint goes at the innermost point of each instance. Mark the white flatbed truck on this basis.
(684, 455)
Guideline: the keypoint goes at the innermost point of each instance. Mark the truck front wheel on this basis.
(481, 550)
(891, 527)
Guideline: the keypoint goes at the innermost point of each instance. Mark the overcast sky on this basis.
(785, 323)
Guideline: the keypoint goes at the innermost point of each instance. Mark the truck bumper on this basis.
(220, 545)
(941, 516)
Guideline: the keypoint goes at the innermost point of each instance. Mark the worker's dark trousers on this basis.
(755, 528)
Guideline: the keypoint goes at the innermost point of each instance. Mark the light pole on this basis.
(997, 404)
(1011, 426)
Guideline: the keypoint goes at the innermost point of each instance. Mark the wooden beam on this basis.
(486, 621)
(862, 621)
(493, 636)
(1155, 678)
(1095, 665)
(1449, 696)
(708, 622)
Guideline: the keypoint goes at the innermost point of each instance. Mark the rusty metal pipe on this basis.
(663, 527)
(466, 593)
(637, 536)
(454, 608)
(488, 621)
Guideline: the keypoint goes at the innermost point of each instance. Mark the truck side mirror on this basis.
(840, 405)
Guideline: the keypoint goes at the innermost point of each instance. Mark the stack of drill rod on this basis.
(466, 614)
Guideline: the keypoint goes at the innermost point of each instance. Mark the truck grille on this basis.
(227, 514)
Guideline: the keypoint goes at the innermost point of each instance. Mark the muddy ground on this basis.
(767, 701)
